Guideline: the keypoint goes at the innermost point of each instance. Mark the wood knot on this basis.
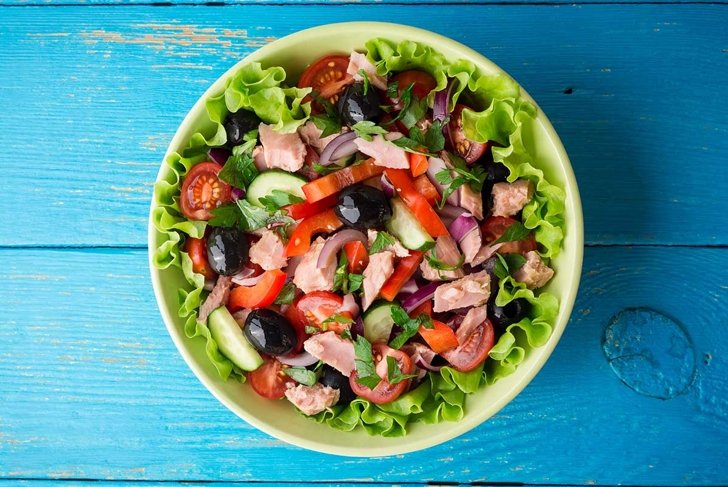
(650, 352)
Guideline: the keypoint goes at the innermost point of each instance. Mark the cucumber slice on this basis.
(231, 341)
(378, 322)
(267, 181)
(407, 229)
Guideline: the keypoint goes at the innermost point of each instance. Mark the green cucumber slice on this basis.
(378, 322)
(267, 181)
(407, 229)
(231, 341)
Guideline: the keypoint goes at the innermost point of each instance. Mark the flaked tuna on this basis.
(312, 400)
(269, 252)
(445, 251)
(281, 151)
(534, 273)
(379, 269)
(471, 290)
(310, 278)
(332, 350)
(510, 198)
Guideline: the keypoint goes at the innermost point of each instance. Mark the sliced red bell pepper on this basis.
(418, 163)
(424, 186)
(300, 240)
(306, 209)
(357, 255)
(440, 338)
(422, 210)
(336, 181)
(404, 271)
(423, 309)
(259, 296)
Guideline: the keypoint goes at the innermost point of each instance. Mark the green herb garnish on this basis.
(409, 326)
(381, 242)
(301, 375)
(364, 362)
(394, 373)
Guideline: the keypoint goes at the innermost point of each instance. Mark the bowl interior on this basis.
(278, 418)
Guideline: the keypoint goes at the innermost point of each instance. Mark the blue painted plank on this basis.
(333, 3)
(92, 387)
(108, 91)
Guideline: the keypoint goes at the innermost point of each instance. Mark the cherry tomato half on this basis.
(469, 150)
(384, 392)
(203, 191)
(268, 380)
(474, 350)
(196, 248)
(327, 76)
(315, 307)
(495, 226)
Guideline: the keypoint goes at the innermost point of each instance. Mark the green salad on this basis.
(367, 242)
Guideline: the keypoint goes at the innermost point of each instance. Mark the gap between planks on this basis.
(273, 3)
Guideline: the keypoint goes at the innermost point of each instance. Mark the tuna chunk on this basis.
(282, 151)
(259, 158)
(359, 61)
(379, 269)
(308, 277)
(384, 152)
(471, 201)
(397, 247)
(510, 198)
(471, 321)
(485, 253)
(332, 350)
(446, 251)
(269, 252)
(217, 297)
(471, 290)
(470, 245)
(534, 272)
(311, 135)
(312, 400)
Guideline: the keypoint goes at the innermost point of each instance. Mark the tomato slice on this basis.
(336, 181)
(495, 226)
(384, 392)
(422, 210)
(259, 296)
(474, 350)
(268, 380)
(300, 240)
(196, 248)
(468, 149)
(306, 209)
(314, 308)
(327, 76)
(202, 191)
(424, 186)
(423, 82)
(357, 255)
(440, 338)
(418, 163)
(404, 271)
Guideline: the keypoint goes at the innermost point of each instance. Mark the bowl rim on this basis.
(566, 300)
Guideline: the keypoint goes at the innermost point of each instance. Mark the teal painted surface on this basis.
(91, 386)
(644, 124)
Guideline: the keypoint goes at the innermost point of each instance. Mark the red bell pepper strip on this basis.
(259, 296)
(418, 163)
(300, 240)
(357, 255)
(306, 209)
(440, 338)
(336, 181)
(425, 187)
(404, 271)
(405, 187)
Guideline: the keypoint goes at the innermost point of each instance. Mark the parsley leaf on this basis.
(240, 170)
(439, 265)
(409, 326)
(301, 375)
(365, 129)
(327, 125)
(474, 177)
(516, 231)
(515, 261)
(381, 242)
(393, 90)
(287, 294)
(364, 362)
(310, 330)
(253, 217)
(413, 109)
(324, 170)
(394, 373)
(365, 78)
(277, 199)
(338, 318)
(343, 281)
(225, 216)
(355, 282)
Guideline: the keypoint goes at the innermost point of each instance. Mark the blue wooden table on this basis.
(91, 387)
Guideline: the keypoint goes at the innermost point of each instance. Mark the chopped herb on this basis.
(346, 333)
(310, 330)
(327, 125)
(253, 217)
(507, 264)
(474, 177)
(394, 373)
(301, 375)
(365, 129)
(287, 294)
(516, 231)
(365, 78)
(409, 326)
(439, 265)
(381, 242)
(355, 282)
(338, 318)
(343, 280)
(277, 199)
(393, 90)
(324, 170)
(225, 216)
(240, 170)
(413, 109)
(364, 361)
(515, 262)
(247, 217)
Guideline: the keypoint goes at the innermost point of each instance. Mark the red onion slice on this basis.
(248, 281)
(387, 186)
(303, 359)
(357, 328)
(335, 243)
(219, 155)
(441, 108)
(449, 213)
(435, 166)
(341, 146)
(409, 287)
(420, 296)
(422, 363)
(462, 225)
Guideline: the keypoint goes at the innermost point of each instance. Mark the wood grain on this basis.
(92, 387)
(90, 102)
